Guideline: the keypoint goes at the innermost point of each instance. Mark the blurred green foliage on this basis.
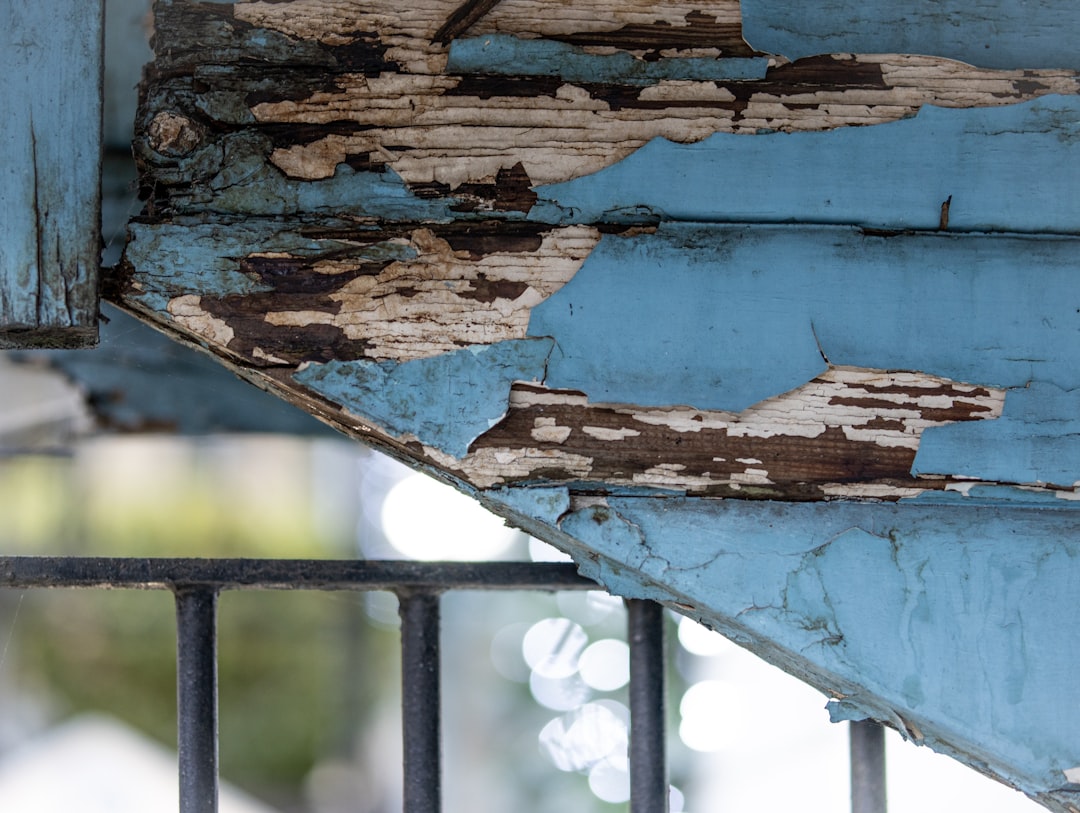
(291, 691)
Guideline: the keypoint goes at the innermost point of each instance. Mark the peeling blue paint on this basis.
(544, 504)
(1011, 168)
(738, 314)
(1036, 440)
(247, 185)
(185, 257)
(992, 494)
(445, 401)
(510, 55)
(233, 177)
(946, 622)
(989, 33)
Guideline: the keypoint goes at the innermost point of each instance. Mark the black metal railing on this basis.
(197, 583)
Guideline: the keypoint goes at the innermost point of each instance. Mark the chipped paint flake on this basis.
(545, 430)
(488, 468)
(608, 433)
(187, 311)
(809, 436)
(445, 298)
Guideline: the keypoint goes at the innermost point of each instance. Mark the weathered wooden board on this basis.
(668, 302)
(991, 33)
(946, 625)
(50, 157)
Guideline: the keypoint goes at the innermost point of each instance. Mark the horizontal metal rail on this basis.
(196, 584)
(286, 574)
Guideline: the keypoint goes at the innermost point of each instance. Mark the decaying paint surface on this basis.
(944, 625)
(992, 33)
(50, 160)
(639, 284)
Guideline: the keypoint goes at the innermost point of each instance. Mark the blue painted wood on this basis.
(945, 623)
(445, 402)
(1011, 168)
(1036, 440)
(776, 306)
(989, 33)
(737, 314)
(50, 163)
(514, 56)
(232, 177)
(189, 255)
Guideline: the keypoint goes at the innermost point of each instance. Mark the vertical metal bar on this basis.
(867, 741)
(421, 712)
(197, 698)
(648, 736)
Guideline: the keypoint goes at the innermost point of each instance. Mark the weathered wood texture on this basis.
(615, 271)
(336, 187)
(50, 157)
(991, 33)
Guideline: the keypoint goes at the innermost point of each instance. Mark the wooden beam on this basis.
(50, 160)
(989, 33)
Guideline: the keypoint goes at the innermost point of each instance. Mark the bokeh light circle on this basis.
(427, 520)
(553, 647)
(605, 665)
(698, 639)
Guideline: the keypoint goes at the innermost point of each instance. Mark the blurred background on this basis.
(145, 448)
(535, 683)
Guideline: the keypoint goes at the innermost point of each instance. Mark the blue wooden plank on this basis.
(990, 33)
(722, 317)
(1036, 440)
(709, 316)
(1011, 168)
(50, 161)
(192, 256)
(943, 622)
(445, 402)
(507, 55)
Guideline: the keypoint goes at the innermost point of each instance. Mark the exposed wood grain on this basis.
(849, 426)
(371, 90)
(460, 130)
(382, 198)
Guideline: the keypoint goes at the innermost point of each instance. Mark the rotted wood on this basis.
(50, 156)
